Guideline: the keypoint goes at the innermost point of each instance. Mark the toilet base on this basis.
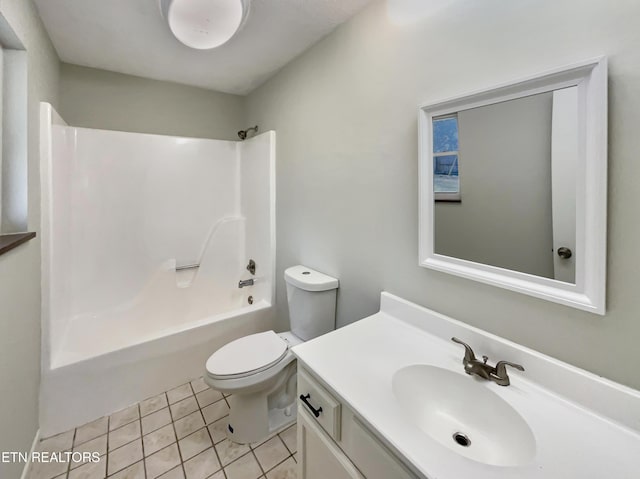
(245, 428)
(257, 415)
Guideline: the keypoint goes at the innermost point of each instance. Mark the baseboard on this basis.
(27, 466)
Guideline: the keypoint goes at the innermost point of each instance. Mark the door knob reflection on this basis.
(565, 253)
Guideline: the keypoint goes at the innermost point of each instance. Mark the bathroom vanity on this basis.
(336, 443)
(387, 397)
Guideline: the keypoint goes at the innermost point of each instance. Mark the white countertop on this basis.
(572, 441)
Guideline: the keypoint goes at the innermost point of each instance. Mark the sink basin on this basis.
(464, 416)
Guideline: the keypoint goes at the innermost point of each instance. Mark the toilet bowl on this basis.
(259, 371)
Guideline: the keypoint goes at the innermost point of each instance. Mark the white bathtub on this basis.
(120, 212)
(81, 391)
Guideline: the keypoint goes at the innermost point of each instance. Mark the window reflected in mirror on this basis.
(446, 158)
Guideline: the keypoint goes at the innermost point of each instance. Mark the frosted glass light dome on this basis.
(204, 24)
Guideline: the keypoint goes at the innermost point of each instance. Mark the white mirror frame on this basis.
(588, 292)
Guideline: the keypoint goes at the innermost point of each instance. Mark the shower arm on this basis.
(242, 134)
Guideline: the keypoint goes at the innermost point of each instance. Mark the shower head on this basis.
(242, 134)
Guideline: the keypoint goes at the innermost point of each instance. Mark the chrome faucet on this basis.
(473, 366)
(245, 282)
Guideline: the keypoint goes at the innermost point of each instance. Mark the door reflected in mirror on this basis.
(504, 183)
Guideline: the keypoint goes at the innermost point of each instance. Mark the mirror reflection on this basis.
(504, 179)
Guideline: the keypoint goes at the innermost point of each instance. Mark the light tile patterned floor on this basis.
(179, 434)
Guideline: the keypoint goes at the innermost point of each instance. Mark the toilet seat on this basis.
(247, 356)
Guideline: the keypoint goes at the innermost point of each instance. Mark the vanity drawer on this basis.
(319, 403)
(370, 456)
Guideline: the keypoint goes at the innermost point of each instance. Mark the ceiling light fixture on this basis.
(205, 24)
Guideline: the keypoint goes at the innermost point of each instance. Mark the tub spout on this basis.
(245, 282)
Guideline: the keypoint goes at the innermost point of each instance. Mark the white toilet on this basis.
(259, 370)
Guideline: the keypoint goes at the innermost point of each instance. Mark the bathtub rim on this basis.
(57, 364)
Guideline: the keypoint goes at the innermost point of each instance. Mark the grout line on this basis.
(173, 424)
(256, 459)
(127, 424)
(123, 425)
(216, 402)
(127, 466)
(243, 455)
(256, 445)
(213, 443)
(285, 443)
(290, 456)
(106, 465)
(208, 404)
(144, 457)
(152, 397)
(182, 399)
(215, 451)
(159, 450)
(142, 433)
(176, 418)
(126, 444)
(73, 445)
(206, 426)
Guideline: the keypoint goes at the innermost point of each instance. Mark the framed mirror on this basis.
(513, 185)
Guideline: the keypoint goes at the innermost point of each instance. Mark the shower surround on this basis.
(125, 217)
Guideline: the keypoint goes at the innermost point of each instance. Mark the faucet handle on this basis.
(501, 365)
(468, 352)
(500, 376)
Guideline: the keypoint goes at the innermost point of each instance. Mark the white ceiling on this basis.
(131, 36)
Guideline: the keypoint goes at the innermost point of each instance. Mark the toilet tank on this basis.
(312, 302)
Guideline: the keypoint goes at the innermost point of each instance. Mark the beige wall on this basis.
(347, 174)
(504, 218)
(112, 101)
(20, 268)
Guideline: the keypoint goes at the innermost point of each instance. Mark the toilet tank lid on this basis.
(308, 279)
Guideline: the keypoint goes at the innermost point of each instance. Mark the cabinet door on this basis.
(320, 457)
(370, 455)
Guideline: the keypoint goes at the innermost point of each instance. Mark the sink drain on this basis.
(461, 439)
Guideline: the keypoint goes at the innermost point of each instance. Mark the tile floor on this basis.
(179, 434)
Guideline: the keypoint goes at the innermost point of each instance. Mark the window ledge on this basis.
(10, 241)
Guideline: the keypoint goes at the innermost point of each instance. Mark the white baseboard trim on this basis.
(27, 466)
